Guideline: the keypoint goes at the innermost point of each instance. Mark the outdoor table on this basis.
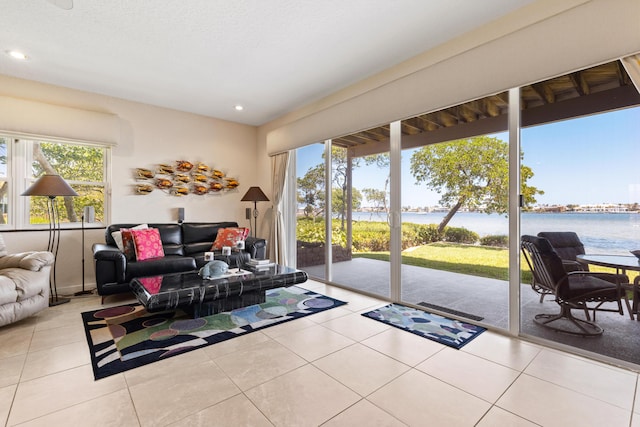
(621, 263)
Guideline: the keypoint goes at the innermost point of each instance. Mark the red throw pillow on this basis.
(229, 237)
(147, 243)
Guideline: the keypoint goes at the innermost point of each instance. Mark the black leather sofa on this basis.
(184, 246)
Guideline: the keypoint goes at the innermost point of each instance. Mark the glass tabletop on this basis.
(624, 262)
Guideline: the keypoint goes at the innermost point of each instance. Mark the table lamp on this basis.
(52, 186)
(255, 195)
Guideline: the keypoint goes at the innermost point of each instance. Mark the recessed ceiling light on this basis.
(17, 54)
(239, 107)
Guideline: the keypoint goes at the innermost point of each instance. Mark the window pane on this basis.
(72, 162)
(3, 156)
(82, 167)
(4, 202)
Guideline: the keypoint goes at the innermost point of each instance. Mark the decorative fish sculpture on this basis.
(201, 167)
(216, 186)
(232, 183)
(163, 183)
(142, 173)
(180, 177)
(144, 188)
(183, 166)
(166, 169)
(180, 191)
(200, 189)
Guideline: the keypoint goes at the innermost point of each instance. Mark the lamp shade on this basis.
(51, 186)
(254, 194)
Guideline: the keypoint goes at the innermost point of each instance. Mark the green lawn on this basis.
(479, 261)
(467, 259)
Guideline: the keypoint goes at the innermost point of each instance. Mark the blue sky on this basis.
(588, 160)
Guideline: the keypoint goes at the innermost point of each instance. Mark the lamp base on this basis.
(57, 301)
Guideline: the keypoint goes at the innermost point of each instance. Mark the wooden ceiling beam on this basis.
(544, 92)
(579, 83)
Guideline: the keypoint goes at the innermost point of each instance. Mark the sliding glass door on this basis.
(429, 211)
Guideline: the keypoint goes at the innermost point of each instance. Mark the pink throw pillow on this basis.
(147, 243)
(229, 237)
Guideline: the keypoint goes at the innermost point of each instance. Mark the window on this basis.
(24, 160)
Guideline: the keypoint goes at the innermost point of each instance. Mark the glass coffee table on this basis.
(203, 297)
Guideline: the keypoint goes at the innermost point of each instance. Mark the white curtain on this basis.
(279, 166)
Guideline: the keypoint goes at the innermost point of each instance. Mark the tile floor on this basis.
(334, 368)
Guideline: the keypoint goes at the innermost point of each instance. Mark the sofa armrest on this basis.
(110, 264)
(256, 247)
(33, 260)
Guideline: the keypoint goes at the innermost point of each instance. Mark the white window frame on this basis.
(19, 160)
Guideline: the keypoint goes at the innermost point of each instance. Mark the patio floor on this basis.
(487, 298)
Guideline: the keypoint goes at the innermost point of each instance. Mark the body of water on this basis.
(602, 233)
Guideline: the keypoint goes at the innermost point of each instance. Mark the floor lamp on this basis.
(52, 186)
(255, 195)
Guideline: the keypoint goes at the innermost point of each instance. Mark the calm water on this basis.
(600, 232)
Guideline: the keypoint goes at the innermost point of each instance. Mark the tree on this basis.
(311, 191)
(338, 202)
(470, 173)
(377, 197)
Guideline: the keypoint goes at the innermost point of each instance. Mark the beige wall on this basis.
(148, 136)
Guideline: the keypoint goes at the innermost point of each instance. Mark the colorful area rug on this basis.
(453, 333)
(125, 337)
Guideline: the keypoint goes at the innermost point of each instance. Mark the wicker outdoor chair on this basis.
(572, 290)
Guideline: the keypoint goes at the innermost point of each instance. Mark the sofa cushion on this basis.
(199, 236)
(19, 284)
(229, 237)
(33, 260)
(147, 244)
(157, 266)
(171, 236)
(193, 232)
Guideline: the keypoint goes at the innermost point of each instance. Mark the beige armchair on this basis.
(24, 283)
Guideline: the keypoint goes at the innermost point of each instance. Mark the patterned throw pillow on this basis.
(117, 235)
(229, 237)
(127, 244)
(147, 243)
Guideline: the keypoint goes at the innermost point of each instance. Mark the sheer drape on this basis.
(279, 166)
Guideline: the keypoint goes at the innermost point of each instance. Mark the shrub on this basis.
(460, 235)
(428, 233)
(370, 241)
(501, 241)
(309, 230)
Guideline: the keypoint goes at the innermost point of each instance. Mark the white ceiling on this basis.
(206, 56)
